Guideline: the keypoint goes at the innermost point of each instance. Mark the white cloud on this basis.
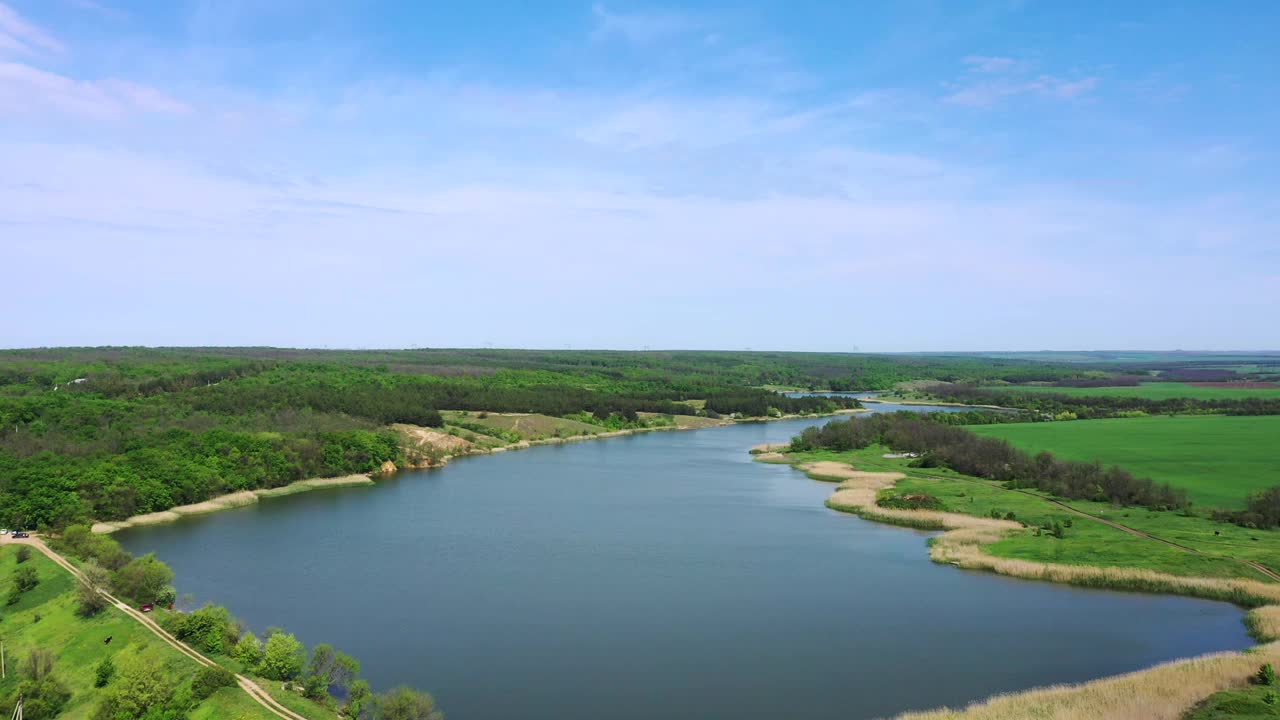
(28, 90)
(642, 27)
(989, 64)
(21, 37)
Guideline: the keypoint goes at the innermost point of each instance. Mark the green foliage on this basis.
(43, 695)
(282, 658)
(209, 679)
(103, 673)
(404, 703)
(144, 690)
(248, 650)
(1266, 675)
(211, 629)
(90, 587)
(25, 578)
(143, 579)
(23, 554)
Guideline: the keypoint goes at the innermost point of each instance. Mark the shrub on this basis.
(249, 650)
(103, 673)
(1266, 675)
(23, 554)
(282, 658)
(209, 679)
(913, 501)
(25, 578)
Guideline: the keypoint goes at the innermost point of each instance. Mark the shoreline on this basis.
(244, 498)
(939, 403)
(1165, 691)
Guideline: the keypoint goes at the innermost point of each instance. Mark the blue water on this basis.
(655, 575)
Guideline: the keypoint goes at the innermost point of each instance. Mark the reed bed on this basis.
(1163, 692)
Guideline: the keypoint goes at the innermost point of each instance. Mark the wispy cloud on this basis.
(21, 37)
(25, 90)
(642, 27)
(992, 79)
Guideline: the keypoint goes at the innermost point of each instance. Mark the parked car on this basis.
(20, 534)
(146, 607)
(4, 531)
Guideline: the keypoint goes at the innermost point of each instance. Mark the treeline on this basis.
(1102, 406)
(1098, 382)
(943, 445)
(325, 675)
(176, 467)
(1262, 510)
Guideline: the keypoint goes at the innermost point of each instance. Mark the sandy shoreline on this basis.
(230, 501)
(234, 500)
(1163, 692)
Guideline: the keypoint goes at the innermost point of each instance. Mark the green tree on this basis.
(141, 689)
(209, 679)
(90, 589)
(43, 695)
(1266, 675)
(405, 703)
(282, 658)
(103, 673)
(143, 579)
(23, 554)
(360, 700)
(25, 578)
(249, 650)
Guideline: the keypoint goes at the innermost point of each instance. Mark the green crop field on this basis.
(1151, 391)
(1219, 460)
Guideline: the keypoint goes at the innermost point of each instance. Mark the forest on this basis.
(1088, 407)
(943, 445)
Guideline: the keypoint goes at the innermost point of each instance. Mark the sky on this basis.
(788, 175)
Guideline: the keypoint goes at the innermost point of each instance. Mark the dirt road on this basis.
(249, 686)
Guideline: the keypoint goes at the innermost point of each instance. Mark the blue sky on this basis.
(786, 175)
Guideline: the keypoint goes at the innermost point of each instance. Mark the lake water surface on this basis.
(656, 575)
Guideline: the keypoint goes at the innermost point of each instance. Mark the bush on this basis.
(282, 658)
(249, 650)
(1266, 675)
(23, 554)
(211, 628)
(913, 501)
(103, 673)
(25, 578)
(209, 679)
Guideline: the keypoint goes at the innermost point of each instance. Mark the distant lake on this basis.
(656, 575)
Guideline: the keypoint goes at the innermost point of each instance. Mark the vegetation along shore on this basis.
(1036, 516)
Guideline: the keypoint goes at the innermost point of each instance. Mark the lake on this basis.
(655, 575)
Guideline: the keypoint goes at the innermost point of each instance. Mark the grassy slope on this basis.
(77, 643)
(1152, 391)
(1217, 459)
(1245, 703)
(1087, 542)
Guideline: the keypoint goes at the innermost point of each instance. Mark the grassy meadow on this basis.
(1219, 460)
(45, 617)
(1150, 391)
(1086, 542)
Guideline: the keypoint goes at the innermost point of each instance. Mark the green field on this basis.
(45, 617)
(1219, 460)
(1221, 546)
(1149, 391)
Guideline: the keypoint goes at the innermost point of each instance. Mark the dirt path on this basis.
(1118, 526)
(262, 697)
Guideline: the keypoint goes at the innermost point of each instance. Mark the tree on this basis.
(43, 695)
(282, 658)
(249, 650)
(23, 554)
(25, 578)
(141, 689)
(209, 679)
(103, 673)
(360, 700)
(405, 703)
(143, 579)
(1266, 675)
(90, 588)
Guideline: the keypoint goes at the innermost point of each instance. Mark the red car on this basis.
(146, 607)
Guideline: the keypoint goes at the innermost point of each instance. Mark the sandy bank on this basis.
(229, 501)
(1163, 692)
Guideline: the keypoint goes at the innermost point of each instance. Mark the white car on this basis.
(4, 531)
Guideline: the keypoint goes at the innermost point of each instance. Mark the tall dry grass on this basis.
(1163, 692)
